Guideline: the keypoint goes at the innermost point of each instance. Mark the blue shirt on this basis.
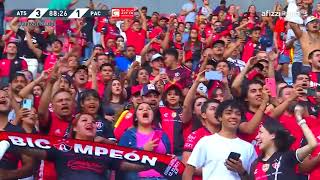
(191, 16)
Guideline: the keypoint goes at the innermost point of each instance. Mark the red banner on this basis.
(170, 167)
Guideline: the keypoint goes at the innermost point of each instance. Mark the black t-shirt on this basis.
(104, 128)
(280, 165)
(10, 160)
(72, 166)
(23, 49)
(87, 29)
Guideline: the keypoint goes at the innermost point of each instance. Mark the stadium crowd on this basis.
(232, 94)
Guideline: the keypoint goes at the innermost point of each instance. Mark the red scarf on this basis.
(168, 166)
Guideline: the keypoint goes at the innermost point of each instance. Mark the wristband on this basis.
(302, 121)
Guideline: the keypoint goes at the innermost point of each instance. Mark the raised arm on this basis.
(232, 47)
(102, 40)
(35, 50)
(143, 20)
(188, 101)
(28, 89)
(94, 71)
(281, 108)
(166, 40)
(296, 29)
(304, 151)
(14, 24)
(46, 98)
(126, 25)
(236, 85)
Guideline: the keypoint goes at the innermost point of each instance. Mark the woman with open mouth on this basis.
(277, 161)
(90, 103)
(144, 136)
(71, 165)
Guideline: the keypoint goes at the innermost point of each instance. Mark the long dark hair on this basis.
(177, 91)
(108, 93)
(135, 119)
(283, 139)
(133, 79)
(90, 93)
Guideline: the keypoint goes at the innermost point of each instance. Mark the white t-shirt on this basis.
(211, 152)
(297, 53)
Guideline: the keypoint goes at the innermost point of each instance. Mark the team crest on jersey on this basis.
(177, 74)
(174, 114)
(57, 132)
(99, 125)
(265, 167)
(129, 115)
(275, 165)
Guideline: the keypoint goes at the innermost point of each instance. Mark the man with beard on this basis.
(310, 40)
(18, 82)
(9, 162)
(10, 64)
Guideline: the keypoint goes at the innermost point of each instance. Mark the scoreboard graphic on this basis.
(49, 13)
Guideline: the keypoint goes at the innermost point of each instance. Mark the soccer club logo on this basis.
(275, 165)
(63, 146)
(265, 167)
(99, 125)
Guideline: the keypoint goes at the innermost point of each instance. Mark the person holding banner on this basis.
(9, 162)
(144, 136)
(274, 141)
(71, 165)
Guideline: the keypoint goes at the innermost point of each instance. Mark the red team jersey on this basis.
(136, 39)
(58, 127)
(193, 139)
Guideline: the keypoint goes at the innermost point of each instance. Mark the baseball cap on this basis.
(170, 86)
(218, 42)
(156, 56)
(309, 19)
(136, 89)
(148, 88)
